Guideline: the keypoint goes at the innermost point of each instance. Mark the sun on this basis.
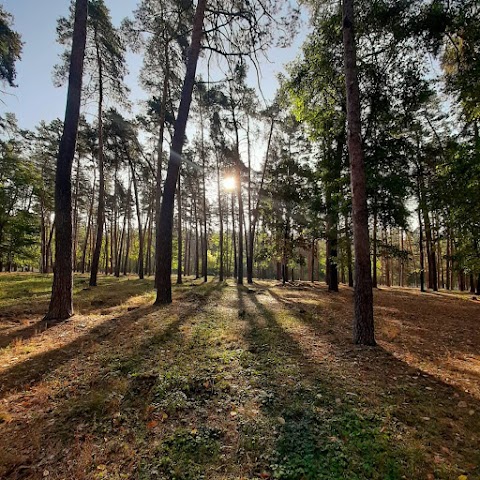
(229, 183)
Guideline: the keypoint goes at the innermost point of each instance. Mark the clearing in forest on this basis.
(236, 383)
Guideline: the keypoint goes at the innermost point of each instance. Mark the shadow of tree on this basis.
(418, 407)
(32, 369)
(82, 409)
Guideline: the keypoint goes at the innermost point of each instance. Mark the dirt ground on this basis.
(237, 383)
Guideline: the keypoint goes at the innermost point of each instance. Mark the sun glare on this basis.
(229, 183)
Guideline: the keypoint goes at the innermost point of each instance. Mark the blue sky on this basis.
(37, 99)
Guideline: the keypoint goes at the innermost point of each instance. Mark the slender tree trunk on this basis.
(249, 241)
(197, 250)
(179, 231)
(106, 249)
(75, 216)
(402, 264)
(220, 220)
(422, 260)
(101, 172)
(332, 241)
(89, 225)
(448, 261)
(158, 189)
(254, 216)
(61, 302)
(363, 327)
(349, 252)
(141, 237)
(126, 260)
(234, 238)
(375, 250)
(118, 261)
(164, 253)
(313, 251)
(240, 202)
(204, 206)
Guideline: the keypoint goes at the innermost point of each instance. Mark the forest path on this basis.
(232, 383)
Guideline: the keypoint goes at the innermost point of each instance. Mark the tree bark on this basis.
(158, 188)
(164, 253)
(101, 173)
(179, 232)
(254, 216)
(61, 302)
(141, 237)
(220, 219)
(363, 325)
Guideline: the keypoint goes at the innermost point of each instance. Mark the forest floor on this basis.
(236, 383)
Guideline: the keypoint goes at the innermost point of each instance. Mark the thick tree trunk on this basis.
(164, 253)
(363, 326)
(61, 303)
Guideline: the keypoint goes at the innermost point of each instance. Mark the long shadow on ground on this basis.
(86, 410)
(87, 301)
(31, 371)
(328, 430)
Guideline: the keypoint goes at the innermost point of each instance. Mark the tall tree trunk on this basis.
(106, 249)
(118, 261)
(332, 243)
(141, 237)
(164, 253)
(249, 241)
(255, 214)
(422, 260)
(448, 260)
(61, 302)
(126, 269)
(363, 326)
(101, 172)
(402, 262)
(220, 219)
(313, 251)
(204, 206)
(89, 226)
(239, 200)
(179, 231)
(158, 188)
(75, 216)
(349, 251)
(234, 238)
(197, 251)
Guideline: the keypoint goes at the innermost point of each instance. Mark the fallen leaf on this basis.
(152, 424)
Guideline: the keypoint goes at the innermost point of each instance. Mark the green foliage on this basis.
(105, 49)
(10, 48)
(19, 183)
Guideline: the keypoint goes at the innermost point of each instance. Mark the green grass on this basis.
(217, 386)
